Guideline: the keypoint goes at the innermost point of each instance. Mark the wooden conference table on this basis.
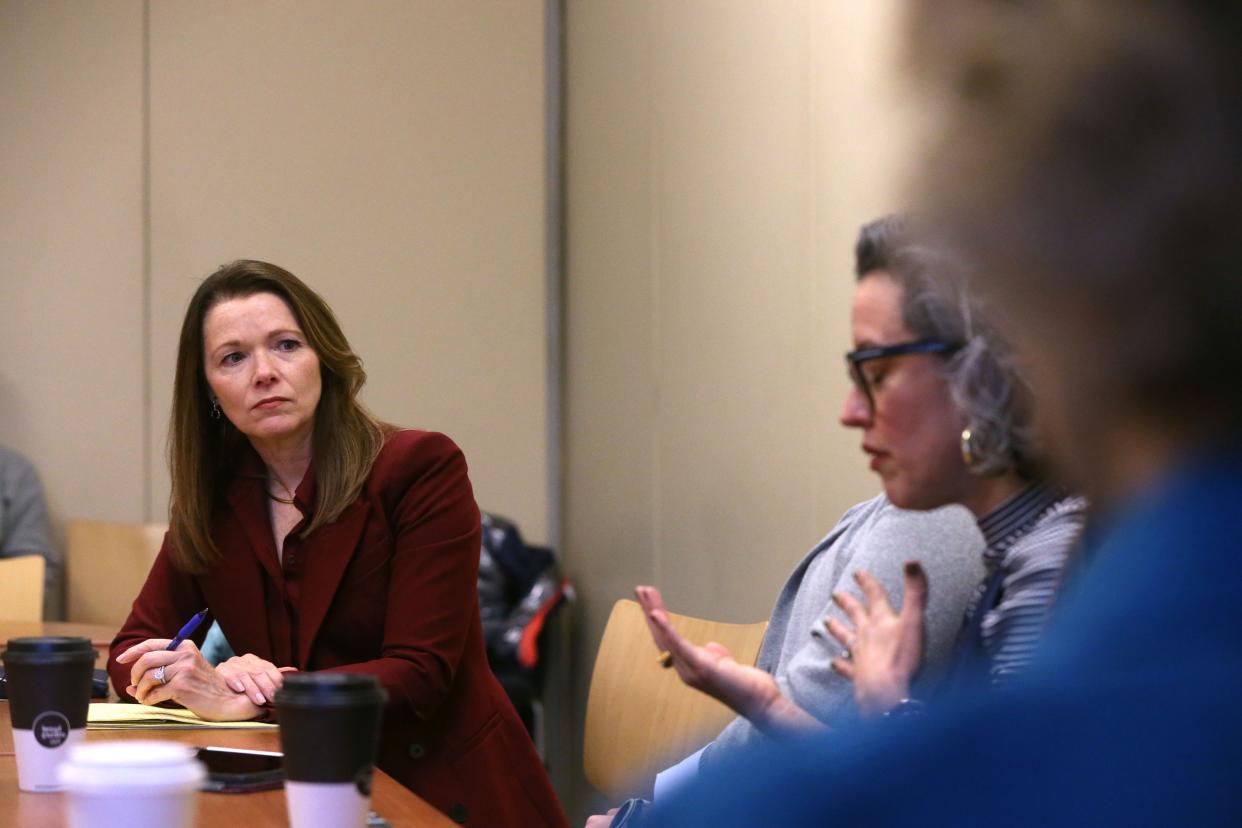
(20, 809)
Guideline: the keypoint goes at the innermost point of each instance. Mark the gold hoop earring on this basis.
(968, 447)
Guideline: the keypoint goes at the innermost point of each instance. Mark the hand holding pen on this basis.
(186, 631)
(173, 670)
(159, 674)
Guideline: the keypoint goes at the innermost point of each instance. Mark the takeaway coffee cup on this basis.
(329, 729)
(137, 784)
(49, 688)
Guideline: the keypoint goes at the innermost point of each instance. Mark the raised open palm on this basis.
(885, 647)
(710, 668)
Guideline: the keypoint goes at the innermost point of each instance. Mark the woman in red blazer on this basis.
(321, 539)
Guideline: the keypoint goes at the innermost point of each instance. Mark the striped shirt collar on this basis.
(1009, 521)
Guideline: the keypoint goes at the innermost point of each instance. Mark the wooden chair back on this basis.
(21, 588)
(640, 717)
(106, 564)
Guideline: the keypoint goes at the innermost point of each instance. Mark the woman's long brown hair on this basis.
(346, 441)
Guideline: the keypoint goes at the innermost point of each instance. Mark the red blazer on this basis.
(388, 589)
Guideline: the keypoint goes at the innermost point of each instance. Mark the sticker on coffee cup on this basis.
(51, 729)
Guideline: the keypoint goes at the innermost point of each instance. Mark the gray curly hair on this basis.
(987, 385)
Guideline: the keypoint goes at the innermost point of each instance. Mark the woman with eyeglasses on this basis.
(945, 418)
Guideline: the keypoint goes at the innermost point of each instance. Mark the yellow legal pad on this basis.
(143, 717)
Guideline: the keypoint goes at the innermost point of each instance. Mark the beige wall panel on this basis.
(863, 121)
(734, 318)
(610, 429)
(71, 385)
(721, 157)
(391, 154)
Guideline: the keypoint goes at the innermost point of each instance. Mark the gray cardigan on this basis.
(877, 537)
(24, 528)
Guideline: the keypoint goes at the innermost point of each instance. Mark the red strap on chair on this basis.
(528, 647)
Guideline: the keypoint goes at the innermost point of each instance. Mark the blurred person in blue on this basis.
(1090, 169)
(24, 528)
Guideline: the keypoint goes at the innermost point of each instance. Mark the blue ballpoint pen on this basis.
(187, 630)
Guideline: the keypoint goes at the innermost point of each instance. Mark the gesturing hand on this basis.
(749, 691)
(885, 646)
(188, 680)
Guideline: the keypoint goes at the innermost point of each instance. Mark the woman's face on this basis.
(261, 369)
(913, 432)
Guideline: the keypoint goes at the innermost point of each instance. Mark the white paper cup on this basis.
(49, 689)
(41, 750)
(135, 784)
(329, 729)
(326, 804)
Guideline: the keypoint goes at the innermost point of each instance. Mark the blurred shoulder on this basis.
(16, 469)
(12, 461)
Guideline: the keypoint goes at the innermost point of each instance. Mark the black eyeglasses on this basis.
(854, 360)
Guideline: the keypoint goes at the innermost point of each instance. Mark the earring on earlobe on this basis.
(215, 409)
(968, 447)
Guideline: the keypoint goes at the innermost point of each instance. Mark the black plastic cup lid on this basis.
(50, 644)
(330, 690)
(41, 647)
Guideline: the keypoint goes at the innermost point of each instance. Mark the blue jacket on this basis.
(1131, 716)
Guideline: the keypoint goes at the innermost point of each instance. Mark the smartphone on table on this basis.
(233, 770)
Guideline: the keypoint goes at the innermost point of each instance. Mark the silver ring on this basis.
(159, 675)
